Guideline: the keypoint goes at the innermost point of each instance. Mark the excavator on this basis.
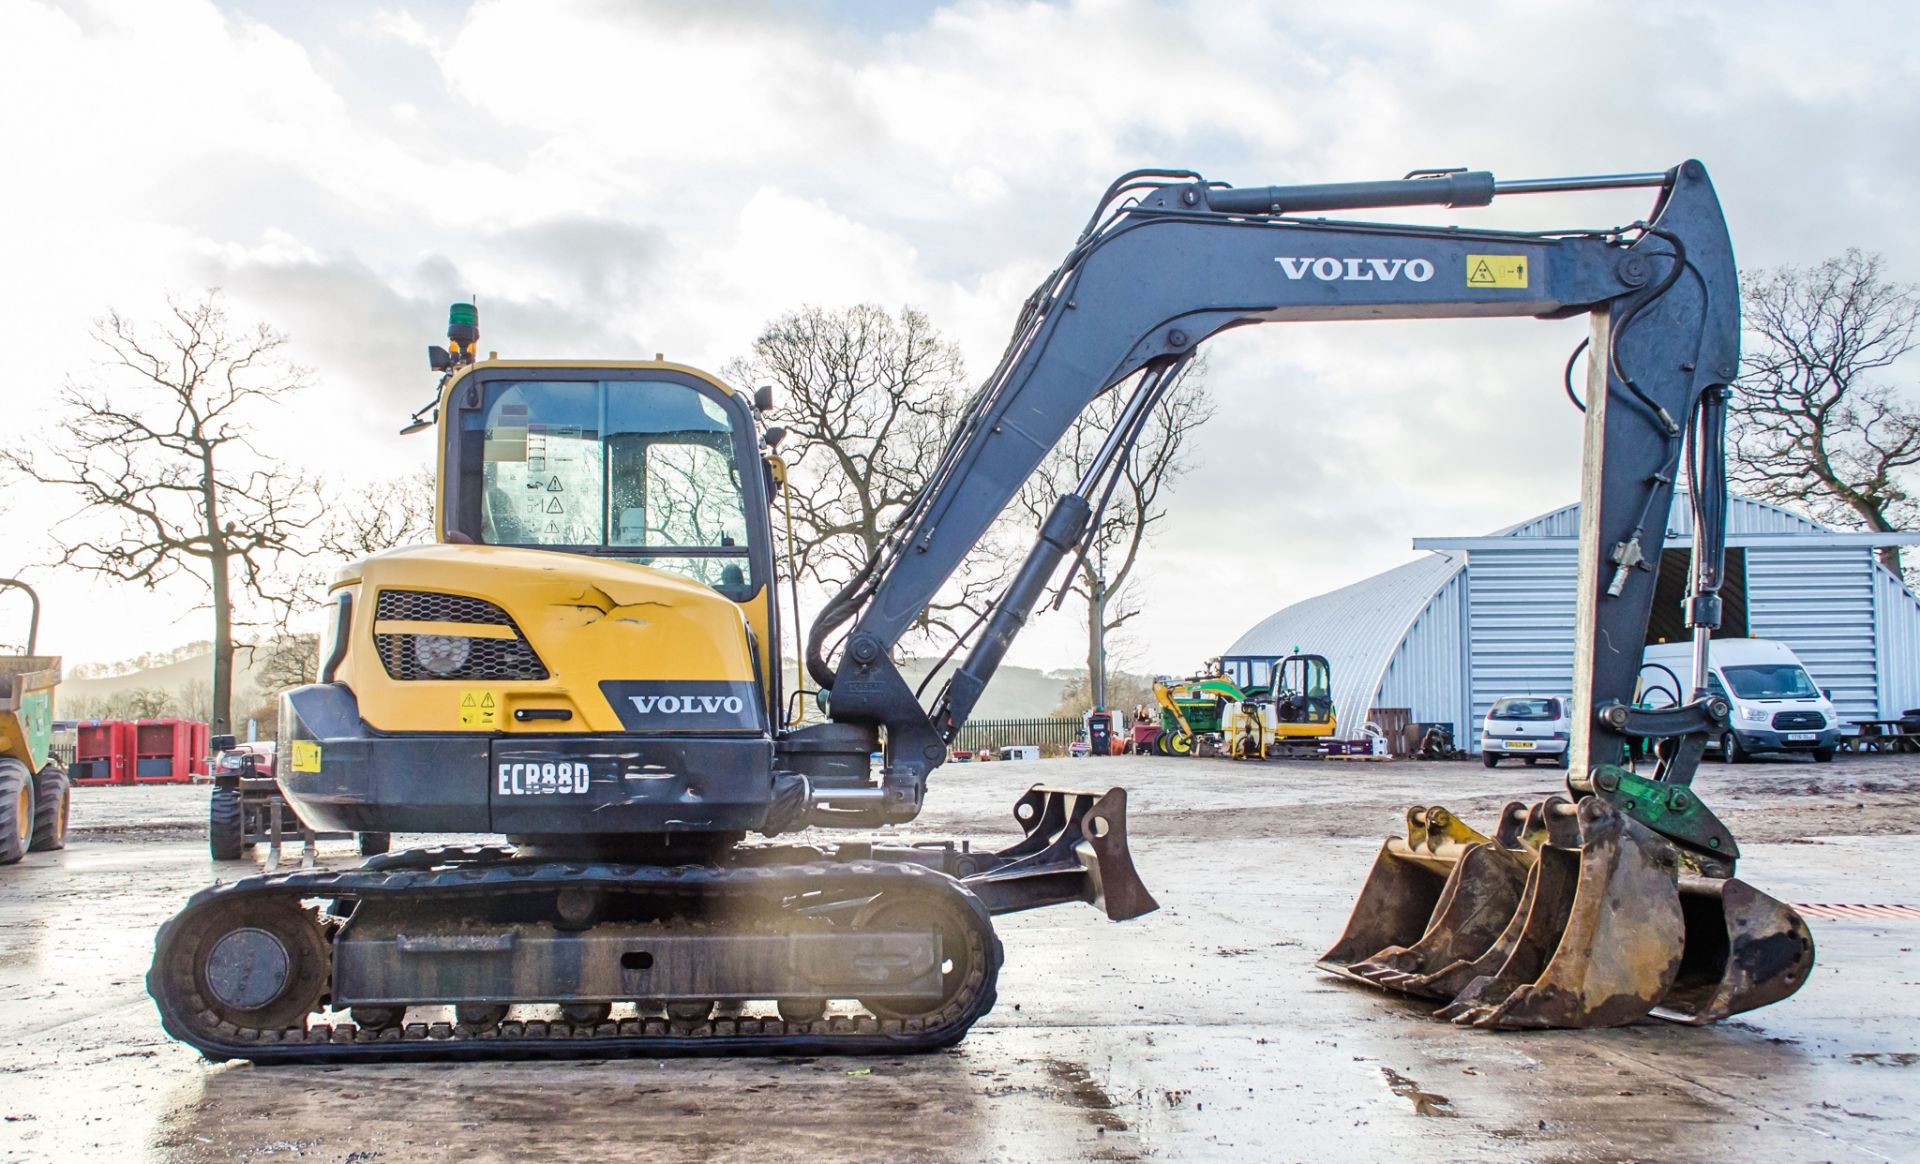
(587, 660)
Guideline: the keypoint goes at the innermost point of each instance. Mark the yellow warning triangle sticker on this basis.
(468, 701)
(1481, 273)
(486, 700)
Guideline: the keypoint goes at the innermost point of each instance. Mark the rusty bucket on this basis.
(1571, 915)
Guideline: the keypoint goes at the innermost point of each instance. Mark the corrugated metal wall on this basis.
(1896, 642)
(1427, 674)
(1520, 606)
(1820, 601)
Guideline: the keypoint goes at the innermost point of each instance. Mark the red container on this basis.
(163, 751)
(103, 752)
(201, 755)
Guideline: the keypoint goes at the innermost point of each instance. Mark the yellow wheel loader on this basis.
(588, 660)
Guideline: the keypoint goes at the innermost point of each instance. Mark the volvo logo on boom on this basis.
(1332, 270)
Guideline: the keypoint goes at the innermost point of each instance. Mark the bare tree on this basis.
(868, 400)
(1813, 425)
(397, 511)
(162, 459)
(286, 661)
(358, 523)
(1101, 578)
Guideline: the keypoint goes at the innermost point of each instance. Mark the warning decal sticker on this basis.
(306, 756)
(1502, 271)
(479, 709)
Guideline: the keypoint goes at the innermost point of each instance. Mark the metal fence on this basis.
(62, 752)
(1051, 735)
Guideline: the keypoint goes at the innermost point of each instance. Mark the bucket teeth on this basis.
(1571, 915)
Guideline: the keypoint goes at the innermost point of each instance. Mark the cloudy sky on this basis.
(628, 178)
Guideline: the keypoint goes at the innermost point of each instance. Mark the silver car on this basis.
(1526, 727)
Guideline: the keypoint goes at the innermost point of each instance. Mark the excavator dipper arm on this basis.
(1182, 260)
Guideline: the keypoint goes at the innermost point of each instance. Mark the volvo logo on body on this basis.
(687, 704)
(1332, 270)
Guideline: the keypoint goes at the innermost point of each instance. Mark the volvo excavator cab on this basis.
(588, 662)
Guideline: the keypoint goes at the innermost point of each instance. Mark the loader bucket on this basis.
(1743, 950)
(1404, 888)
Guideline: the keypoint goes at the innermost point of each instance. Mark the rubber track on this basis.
(654, 1037)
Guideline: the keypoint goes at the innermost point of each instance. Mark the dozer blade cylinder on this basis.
(1743, 950)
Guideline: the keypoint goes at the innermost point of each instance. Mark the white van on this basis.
(1776, 707)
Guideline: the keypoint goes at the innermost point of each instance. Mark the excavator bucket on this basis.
(1571, 916)
(1744, 950)
(1480, 896)
(1619, 948)
(1404, 889)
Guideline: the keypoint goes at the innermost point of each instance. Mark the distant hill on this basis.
(1015, 693)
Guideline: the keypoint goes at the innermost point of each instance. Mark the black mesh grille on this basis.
(1798, 721)
(426, 606)
(487, 659)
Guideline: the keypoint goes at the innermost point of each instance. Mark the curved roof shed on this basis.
(1481, 617)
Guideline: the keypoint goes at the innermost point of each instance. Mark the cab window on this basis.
(643, 469)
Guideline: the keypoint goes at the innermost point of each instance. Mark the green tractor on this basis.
(34, 791)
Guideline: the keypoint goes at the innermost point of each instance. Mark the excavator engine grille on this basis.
(486, 659)
(426, 606)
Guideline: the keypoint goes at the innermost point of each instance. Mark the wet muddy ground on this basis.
(1199, 1032)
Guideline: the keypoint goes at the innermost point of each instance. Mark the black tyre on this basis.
(1730, 750)
(1565, 759)
(52, 797)
(1489, 759)
(1820, 756)
(16, 810)
(226, 836)
(373, 844)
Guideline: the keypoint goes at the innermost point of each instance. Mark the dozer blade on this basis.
(1404, 889)
(1075, 849)
(1743, 950)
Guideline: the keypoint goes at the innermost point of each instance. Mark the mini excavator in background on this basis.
(588, 662)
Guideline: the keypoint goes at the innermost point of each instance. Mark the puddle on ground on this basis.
(1885, 1058)
(1426, 1103)
(1086, 1094)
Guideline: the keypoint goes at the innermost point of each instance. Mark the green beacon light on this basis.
(463, 331)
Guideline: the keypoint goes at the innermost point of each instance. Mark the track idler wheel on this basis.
(962, 955)
(248, 963)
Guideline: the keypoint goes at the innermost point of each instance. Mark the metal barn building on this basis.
(1482, 617)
